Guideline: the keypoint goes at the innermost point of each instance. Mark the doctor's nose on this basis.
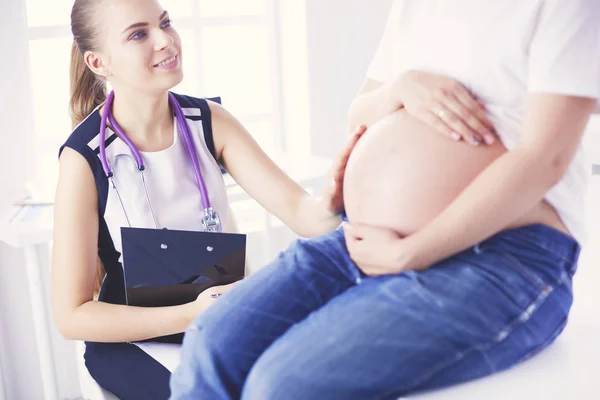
(163, 40)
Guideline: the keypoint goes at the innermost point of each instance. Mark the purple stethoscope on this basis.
(210, 221)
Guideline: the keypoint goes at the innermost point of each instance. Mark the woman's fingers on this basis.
(471, 112)
(468, 118)
(461, 113)
(477, 109)
(439, 125)
(215, 292)
(224, 288)
(458, 126)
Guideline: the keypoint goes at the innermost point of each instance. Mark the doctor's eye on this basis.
(137, 35)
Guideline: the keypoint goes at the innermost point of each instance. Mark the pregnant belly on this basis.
(402, 174)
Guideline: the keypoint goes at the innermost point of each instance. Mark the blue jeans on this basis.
(311, 326)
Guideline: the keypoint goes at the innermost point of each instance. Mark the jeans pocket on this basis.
(515, 285)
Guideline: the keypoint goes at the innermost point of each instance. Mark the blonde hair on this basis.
(88, 90)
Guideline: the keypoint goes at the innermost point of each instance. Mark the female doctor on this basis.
(132, 45)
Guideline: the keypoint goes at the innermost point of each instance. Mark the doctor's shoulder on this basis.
(82, 145)
(221, 123)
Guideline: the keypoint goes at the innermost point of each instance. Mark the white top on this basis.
(501, 50)
(174, 196)
(171, 184)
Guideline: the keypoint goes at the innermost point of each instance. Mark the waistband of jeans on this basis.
(546, 237)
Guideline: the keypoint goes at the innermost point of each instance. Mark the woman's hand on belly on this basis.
(377, 251)
(445, 105)
(402, 173)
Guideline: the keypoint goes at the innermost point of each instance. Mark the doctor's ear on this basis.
(95, 63)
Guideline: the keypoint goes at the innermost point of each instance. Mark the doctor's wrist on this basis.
(193, 309)
(316, 216)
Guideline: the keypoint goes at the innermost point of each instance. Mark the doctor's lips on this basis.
(168, 63)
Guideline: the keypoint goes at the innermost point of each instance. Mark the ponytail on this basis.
(88, 90)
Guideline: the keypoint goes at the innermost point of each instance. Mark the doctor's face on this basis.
(141, 51)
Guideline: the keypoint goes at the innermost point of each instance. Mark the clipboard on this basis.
(163, 267)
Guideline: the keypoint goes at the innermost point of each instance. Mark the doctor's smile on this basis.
(169, 63)
(145, 237)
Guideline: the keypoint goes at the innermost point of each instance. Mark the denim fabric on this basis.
(311, 326)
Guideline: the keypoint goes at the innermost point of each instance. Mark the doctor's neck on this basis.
(146, 118)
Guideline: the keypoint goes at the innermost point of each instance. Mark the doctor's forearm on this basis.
(103, 322)
(313, 218)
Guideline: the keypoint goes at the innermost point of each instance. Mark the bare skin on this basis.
(427, 181)
(402, 174)
(137, 37)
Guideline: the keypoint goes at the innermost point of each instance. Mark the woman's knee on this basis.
(273, 381)
(286, 370)
(211, 331)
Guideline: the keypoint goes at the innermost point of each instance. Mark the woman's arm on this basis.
(263, 180)
(438, 101)
(75, 252)
(507, 189)
(515, 183)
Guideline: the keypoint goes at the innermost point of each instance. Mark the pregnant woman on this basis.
(457, 258)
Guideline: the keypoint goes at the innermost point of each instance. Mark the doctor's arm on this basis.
(75, 252)
(264, 181)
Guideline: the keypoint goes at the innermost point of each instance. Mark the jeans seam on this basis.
(516, 262)
(546, 342)
(502, 335)
(565, 274)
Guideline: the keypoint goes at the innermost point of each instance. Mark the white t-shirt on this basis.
(501, 50)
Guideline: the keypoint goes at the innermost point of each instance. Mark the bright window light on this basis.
(229, 51)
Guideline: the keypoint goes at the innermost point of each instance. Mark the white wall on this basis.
(17, 341)
(326, 48)
(342, 36)
(15, 107)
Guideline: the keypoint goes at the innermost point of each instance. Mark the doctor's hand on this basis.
(334, 194)
(377, 251)
(445, 105)
(208, 297)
